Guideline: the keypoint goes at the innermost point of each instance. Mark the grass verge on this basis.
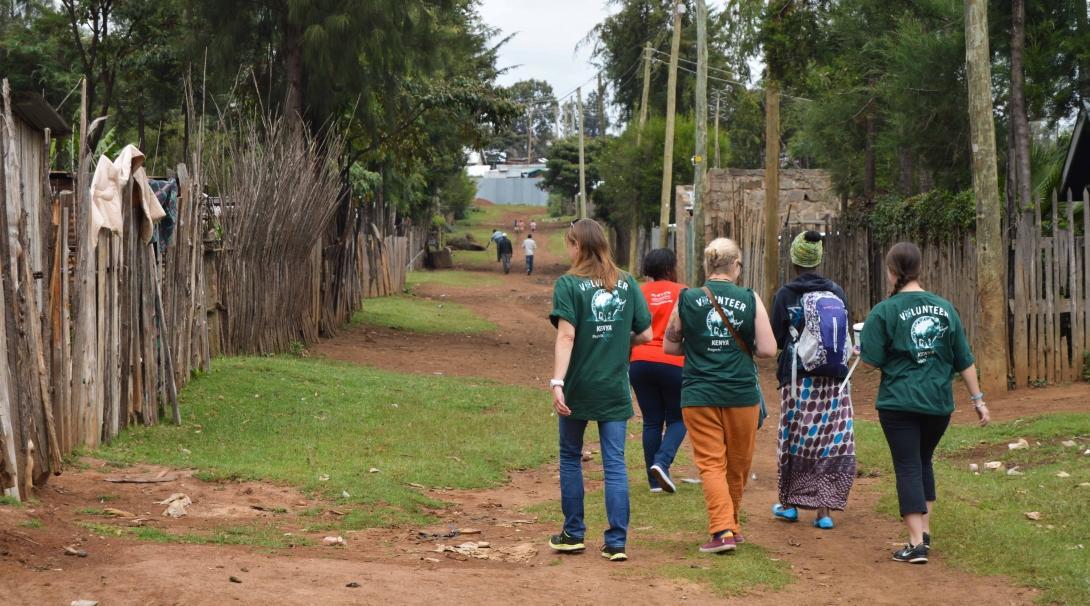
(450, 277)
(417, 314)
(300, 421)
(255, 536)
(980, 522)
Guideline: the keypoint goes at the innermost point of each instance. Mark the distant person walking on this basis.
(916, 338)
(504, 250)
(719, 328)
(816, 439)
(599, 314)
(533, 226)
(528, 248)
(656, 376)
(495, 238)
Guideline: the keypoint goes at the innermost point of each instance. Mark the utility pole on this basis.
(700, 169)
(772, 185)
(634, 236)
(668, 148)
(718, 95)
(603, 121)
(991, 339)
(530, 137)
(582, 160)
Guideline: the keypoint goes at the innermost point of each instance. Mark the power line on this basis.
(691, 62)
(733, 82)
(630, 72)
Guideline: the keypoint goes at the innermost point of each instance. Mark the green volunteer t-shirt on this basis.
(917, 339)
(596, 385)
(717, 371)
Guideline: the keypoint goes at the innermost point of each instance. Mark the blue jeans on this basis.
(612, 435)
(529, 264)
(658, 393)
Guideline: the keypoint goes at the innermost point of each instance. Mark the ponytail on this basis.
(904, 260)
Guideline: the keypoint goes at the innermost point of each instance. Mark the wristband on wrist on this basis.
(556, 383)
(977, 398)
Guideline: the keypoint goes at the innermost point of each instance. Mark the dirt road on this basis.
(397, 566)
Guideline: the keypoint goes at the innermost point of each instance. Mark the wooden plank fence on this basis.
(1050, 302)
(1048, 289)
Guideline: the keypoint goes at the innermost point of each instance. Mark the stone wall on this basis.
(805, 194)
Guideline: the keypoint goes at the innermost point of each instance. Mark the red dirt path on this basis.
(849, 565)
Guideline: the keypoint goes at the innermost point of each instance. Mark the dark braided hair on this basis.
(904, 261)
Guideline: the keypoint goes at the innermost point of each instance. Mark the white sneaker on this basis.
(656, 490)
(663, 478)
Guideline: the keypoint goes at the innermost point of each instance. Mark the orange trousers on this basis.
(723, 440)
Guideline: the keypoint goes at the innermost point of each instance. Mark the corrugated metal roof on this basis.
(35, 111)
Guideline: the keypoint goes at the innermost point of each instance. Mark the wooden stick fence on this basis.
(100, 331)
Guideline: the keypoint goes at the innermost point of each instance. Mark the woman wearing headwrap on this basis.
(816, 440)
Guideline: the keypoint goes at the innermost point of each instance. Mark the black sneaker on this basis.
(912, 554)
(927, 539)
(614, 554)
(566, 543)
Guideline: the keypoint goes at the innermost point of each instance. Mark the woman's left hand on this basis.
(559, 405)
(982, 412)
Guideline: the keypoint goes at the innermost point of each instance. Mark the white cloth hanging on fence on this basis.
(105, 199)
(106, 186)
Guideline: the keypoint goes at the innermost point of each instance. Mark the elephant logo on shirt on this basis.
(606, 306)
(715, 325)
(926, 332)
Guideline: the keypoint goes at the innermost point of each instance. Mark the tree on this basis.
(991, 346)
(618, 43)
(561, 175)
(536, 113)
(104, 34)
(596, 119)
(1018, 166)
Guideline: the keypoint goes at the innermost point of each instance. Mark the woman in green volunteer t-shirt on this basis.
(600, 314)
(916, 338)
(720, 328)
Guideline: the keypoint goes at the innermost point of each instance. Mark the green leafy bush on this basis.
(937, 215)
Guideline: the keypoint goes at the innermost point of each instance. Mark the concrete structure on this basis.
(806, 195)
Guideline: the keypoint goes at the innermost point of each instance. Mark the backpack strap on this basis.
(726, 321)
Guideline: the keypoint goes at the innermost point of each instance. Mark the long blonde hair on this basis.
(720, 256)
(594, 260)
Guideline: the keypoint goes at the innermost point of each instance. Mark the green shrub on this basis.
(936, 216)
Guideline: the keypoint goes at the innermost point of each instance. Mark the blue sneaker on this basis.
(787, 514)
(824, 523)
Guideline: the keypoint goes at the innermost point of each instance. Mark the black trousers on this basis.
(912, 439)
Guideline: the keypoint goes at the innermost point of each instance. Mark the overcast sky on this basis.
(546, 34)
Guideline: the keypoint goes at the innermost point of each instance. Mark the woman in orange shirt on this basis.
(655, 376)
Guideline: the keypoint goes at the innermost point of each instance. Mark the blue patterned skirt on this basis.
(816, 444)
